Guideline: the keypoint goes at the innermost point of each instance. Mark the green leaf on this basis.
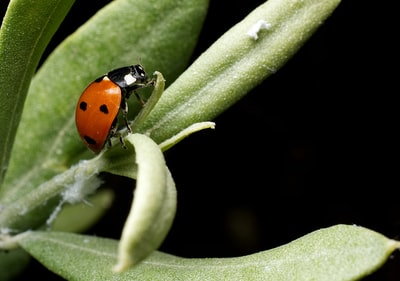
(340, 252)
(25, 32)
(160, 34)
(236, 63)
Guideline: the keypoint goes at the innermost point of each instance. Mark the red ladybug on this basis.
(97, 110)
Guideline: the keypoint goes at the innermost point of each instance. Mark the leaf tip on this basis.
(121, 266)
(393, 245)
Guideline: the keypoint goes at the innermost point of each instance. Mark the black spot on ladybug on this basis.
(104, 109)
(83, 106)
(89, 140)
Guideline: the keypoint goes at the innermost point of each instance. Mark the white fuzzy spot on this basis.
(82, 186)
(257, 27)
(54, 214)
(23, 211)
(129, 79)
(5, 230)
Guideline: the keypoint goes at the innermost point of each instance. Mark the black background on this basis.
(313, 146)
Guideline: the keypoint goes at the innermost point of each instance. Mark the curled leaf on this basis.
(165, 145)
(153, 207)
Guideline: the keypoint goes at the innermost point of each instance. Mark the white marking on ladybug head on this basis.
(129, 79)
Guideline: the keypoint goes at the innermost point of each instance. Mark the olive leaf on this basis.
(153, 207)
(340, 252)
(25, 32)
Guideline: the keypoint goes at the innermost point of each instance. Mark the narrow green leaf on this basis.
(25, 32)
(242, 58)
(159, 34)
(340, 252)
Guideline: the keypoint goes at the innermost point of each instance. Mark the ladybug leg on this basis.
(149, 83)
(113, 131)
(121, 140)
(124, 108)
(139, 98)
(138, 86)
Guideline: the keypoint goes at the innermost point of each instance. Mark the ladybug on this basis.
(96, 114)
